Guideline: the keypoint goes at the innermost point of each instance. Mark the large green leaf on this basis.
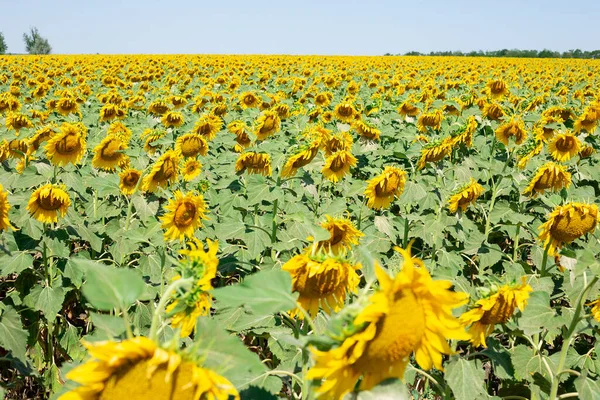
(466, 379)
(12, 335)
(48, 300)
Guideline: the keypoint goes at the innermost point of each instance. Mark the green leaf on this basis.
(12, 335)
(262, 293)
(588, 389)
(15, 262)
(256, 393)
(112, 325)
(538, 314)
(390, 389)
(466, 379)
(107, 288)
(48, 300)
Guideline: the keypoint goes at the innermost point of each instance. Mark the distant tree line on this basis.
(577, 53)
(34, 43)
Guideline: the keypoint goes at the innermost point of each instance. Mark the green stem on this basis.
(127, 324)
(274, 223)
(162, 304)
(543, 271)
(406, 229)
(569, 338)
(488, 220)
(516, 243)
(128, 217)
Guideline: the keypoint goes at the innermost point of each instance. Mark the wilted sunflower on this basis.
(549, 176)
(41, 135)
(567, 223)
(239, 129)
(254, 163)
(409, 314)
(172, 119)
(515, 128)
(267, 124)
(139, 369)
(202, 266)
(336, 142)
(67, 146)
(468, 194)
(343, 235)
(191, 169)
(586, 151)
(109, 154)
(465, 134)
(497, 88)
(18, 121)
(164, 171)
(158, 107)
(367, 130)
(4, 209)
(322, 281)
(300, 159)
(408, 109)
(433, 152)
(67, 105)
(382, 189)
(47, 202)
(564, 146)
(430, 119)
(128, 180)
(345, 112)
(493, 111)
(208, 126)
(121, 131)
(109, 111)
(184, 215)
(338, 165)
(588, 121)
(191, 145)
(496, 308)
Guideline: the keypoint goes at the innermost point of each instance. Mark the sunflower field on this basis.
(299, 227)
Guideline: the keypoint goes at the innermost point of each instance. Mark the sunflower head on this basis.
(139, 368)
(191, 169)
(567, 223)
(409, 314)
(67, 146)
(128, 180)
(343, 235)
(431, 119)
(564, 146)
(254, 163)
(550, 176)
(497, 88)
(433, 152)
(172, 119)
(4, 209)
(208, 126)
(367, 130)
(47, 202)
(466, 195)
(338, 165)
(191, 145)
(345, 112)
(515, 128)
(184, 214)
(164, 172)
(109, 154)
(300, 159)
(382, 189)
(267, 124)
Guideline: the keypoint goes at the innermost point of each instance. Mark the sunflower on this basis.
(300, 159)
(495, 309)
(586, 151)
(158, 107)
(493, 111)
(208, 126)
(514, 128)
(382, 189)
(564, 146)
(249, 100)
(595, 309)
(121, 131)
(345, 112)
(431, 119)
(4, 208)
(367, 130)
(239, 129)
(267, 124)
(67, 146)
(549, 176)
(40, 136)
(109, 111)
(567, 223)
(18, 121)
(321, 281)
(66, 106)
(109, 154)
(128, 180)
(184, 215)
(191, 169)
(343, 235)
(588, 121)
(254, 163)
(433, 152)
(408, 109)
(334, 143)
(139, 369)
(409, 314)
(497, 89)
(529, 150)
(172, 119)
(202, 266)
(338, 165)
(164, 171)
(191, 145)
(47, 202)
(468, 194)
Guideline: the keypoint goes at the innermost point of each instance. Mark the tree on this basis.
(3, 46)
(35, 43)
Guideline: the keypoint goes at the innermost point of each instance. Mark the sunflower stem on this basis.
(162, 304)
(274, 223)
(569, 338)
(543, 271)
(516, 243)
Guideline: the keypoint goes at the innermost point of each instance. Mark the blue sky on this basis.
(302, 26)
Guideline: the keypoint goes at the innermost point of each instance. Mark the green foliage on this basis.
(35, 43)
(3, 46)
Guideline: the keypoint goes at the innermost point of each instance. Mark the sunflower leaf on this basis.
(465, 378)
(12, 335)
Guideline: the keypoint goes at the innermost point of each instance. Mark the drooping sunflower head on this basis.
(497, 88)
(184, 214)
(172, 119)
(120, 130)
(40, 136)
(493, 111)
(267, 124)
(300, 159)
(208, 126)
(67, 105)
(345, 112)
(433, 152)
(254, 163)
(567, 223)
(595, 309)
(466, 195)
(158, 107)
(431, 119)
(165, 171)
(407, 108)
(140, 369)
(67, 146)
(191, 145)
(338, 165)
(588, 121)
(564, 146)
(550, 176)
(343, 235)
(409, 314)
(191, 169)
(367, 130)
(109, 154)
(332, 143)
(322, 281)
(515, 128)
(382, 189)
(586, 151)
(110, 111)
(128, 180)
(47, 202)
(496, 308)
(17, 121)
(4, 209)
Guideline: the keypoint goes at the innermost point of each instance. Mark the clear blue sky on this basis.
(302, 26)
